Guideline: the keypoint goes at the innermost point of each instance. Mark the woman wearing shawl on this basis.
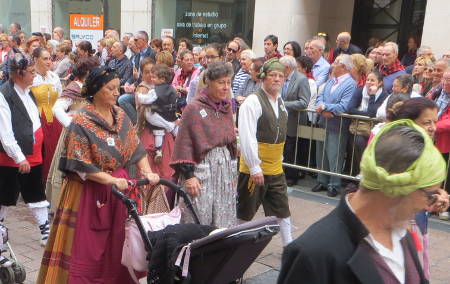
(204, 155)
(64, 108)
(88, 231)
(185, 74)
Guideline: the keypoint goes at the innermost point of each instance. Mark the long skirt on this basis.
(86, 238)
(52, 131)
(54, 178)
(163, 169)
(216, 203)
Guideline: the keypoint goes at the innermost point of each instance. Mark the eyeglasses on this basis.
(31, 71)
(232, 50)
(430, 195)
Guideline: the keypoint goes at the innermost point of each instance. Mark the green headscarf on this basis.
(428, 170)
(270, 65)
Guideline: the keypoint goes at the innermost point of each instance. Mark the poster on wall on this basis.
(166, 32)
(86, 27)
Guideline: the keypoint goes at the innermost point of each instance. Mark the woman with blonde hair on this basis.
(421, 66)
(165, 57)
(360, 69)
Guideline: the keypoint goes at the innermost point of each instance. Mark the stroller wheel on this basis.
(7, 275)
(19, 272)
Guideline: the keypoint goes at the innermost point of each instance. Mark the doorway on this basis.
(388, 20)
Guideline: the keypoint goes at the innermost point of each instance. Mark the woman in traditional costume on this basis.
(46, 89)
(64, 108)
(204, 155)
(88, 231)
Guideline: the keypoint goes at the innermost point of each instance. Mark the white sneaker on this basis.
(444, 216)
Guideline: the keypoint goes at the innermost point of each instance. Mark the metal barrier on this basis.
(313, 133)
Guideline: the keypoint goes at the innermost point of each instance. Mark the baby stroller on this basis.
(14, 273)
(218, 258)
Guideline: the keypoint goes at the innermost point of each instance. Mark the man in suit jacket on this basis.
(333, 100)
(295, 94)
(365, 240)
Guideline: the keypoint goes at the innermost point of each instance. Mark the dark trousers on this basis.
(297, 152)
(355, 149)
(447, 181)
(29, 185)
(291, 157)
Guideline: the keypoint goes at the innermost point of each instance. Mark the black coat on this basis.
(373, 106)
(331, 251)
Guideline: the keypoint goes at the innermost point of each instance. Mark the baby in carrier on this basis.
(160, 106)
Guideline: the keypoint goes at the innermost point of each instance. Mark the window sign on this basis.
(86, 27)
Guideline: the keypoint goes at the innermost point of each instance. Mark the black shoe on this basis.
(332, 192)
(291, 182)
(318, 187)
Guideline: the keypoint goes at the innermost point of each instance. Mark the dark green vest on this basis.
(270, 129)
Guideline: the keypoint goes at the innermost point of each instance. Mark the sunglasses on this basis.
(232, 50)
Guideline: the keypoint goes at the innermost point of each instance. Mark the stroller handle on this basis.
(178, 189)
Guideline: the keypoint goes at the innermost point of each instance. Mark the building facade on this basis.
(207, 21)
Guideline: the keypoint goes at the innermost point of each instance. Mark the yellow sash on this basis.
(271, 156)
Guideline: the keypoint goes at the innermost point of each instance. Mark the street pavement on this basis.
(306, 208)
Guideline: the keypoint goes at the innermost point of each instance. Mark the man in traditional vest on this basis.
(21, 145)
(262, 131)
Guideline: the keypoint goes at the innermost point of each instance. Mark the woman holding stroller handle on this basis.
(88, 231)
(205, 150)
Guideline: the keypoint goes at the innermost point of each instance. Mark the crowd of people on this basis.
(75, 119)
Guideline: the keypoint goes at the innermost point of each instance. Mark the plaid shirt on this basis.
(388, 70)
(442, 102)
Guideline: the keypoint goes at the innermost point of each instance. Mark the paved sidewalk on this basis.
(306, 208)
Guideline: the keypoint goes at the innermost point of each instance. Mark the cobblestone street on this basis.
(306, 208)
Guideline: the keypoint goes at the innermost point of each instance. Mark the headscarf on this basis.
(270, 65)
(428, 170)
(97, 78)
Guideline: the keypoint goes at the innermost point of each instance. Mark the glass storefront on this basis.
(109, 8)
(15, 11)
(204, 21)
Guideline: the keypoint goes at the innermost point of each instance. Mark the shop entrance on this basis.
(393, 20)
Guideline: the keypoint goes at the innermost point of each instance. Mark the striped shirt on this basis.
(239, 80)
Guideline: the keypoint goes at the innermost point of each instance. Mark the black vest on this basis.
(21, 122)
(270, 129)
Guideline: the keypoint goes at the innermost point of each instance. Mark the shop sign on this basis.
(86, 27)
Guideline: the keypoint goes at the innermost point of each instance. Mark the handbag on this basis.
(360, 127)
(154, 200)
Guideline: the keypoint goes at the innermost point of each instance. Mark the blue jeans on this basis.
(128, 104)
(332, 153)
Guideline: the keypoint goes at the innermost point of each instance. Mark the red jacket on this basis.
(443, 132)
